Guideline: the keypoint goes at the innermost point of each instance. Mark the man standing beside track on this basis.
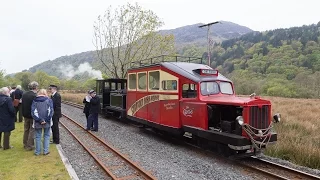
(56, 98)
(27, 99)
(94, 111)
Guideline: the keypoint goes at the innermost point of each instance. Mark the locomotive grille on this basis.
(259, 117)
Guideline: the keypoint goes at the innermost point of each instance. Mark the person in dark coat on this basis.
(94, 111)
(7, 114)
(17, 95)
(56, 98)
(86, 109)
(27, 99)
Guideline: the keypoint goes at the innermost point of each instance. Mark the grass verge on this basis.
(16, 163)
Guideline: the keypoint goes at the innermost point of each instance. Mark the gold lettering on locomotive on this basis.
(143, 102)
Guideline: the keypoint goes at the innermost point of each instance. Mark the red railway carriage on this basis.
(192, 98)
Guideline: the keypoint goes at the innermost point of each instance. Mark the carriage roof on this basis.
(180, 65)
(188, 70)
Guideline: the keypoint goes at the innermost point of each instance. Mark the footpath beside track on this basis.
(259, 166)
(115, 164)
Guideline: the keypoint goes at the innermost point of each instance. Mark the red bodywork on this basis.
(179, 112)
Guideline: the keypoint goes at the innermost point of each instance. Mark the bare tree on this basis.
(128, 34)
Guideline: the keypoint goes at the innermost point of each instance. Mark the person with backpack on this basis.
(16, 96)
(42, 112)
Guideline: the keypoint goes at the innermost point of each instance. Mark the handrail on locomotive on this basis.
(165, 58)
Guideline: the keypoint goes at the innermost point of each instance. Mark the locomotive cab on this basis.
(217, 114)
(113, 94)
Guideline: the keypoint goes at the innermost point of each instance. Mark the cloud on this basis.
(69, 71)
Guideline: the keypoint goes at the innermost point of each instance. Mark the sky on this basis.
(34, 31)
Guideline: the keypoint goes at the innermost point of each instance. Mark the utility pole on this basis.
(208, 37)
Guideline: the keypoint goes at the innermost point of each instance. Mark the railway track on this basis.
(115, 164)
(260, 166)
(274, 170)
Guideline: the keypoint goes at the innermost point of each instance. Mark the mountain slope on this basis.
(59, 66)
(185, 35)
(192, 34)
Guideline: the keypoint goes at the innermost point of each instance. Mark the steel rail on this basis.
(73, 104)
(142, 173)
(262, 171)
(300, 174)
(90, 152)
(294, 172)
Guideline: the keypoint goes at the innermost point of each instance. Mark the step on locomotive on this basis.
(182, 96)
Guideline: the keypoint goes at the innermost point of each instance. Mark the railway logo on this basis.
(187, 111)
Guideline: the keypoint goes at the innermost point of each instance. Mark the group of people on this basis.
(91, 110)
(40, 113)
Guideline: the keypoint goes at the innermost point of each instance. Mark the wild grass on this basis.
(73, 96)
(16, 163)
(298, 131)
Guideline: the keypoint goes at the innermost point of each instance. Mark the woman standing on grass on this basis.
(42, 112)
(7, 114)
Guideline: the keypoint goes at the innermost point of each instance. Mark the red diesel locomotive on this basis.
(184, 98)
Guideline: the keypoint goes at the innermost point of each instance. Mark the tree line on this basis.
(44, 80)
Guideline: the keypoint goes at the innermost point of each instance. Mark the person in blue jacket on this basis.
(7, 116)
(42, 112)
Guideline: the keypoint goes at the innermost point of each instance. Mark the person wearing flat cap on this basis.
(56, 98)
(94, 111)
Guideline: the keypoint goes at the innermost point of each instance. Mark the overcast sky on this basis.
(33, 31)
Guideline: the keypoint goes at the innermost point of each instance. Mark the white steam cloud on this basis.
(69, 71)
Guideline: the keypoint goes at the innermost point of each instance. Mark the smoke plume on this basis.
(69, 71)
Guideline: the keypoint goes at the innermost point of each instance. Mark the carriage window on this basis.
(154, 80)
(106, 86)
(132, 81)
(119, 86)
(113, 86)
(169, 85)
(142, 81)
(99, 87)
(189, 91)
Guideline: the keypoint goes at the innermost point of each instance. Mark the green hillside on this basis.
(281, 62)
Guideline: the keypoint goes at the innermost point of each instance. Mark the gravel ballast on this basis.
(83, 164)
(163, 159)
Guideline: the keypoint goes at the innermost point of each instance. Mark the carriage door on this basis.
(169, 100)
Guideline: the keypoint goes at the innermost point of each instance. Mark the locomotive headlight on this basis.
(276, 118)
(240, 120)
